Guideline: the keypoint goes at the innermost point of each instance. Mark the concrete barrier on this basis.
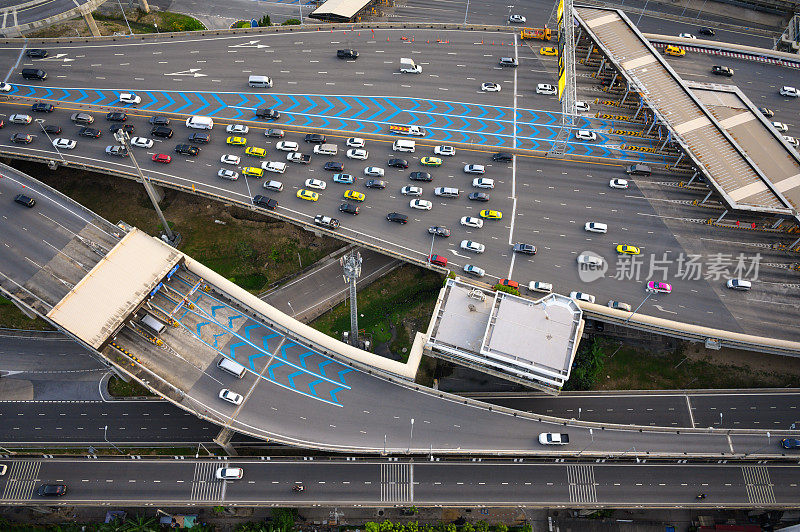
(727, 50)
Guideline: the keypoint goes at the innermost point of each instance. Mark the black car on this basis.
(706, 31)
(268, 114)
(264, 201)
(334, 166)
(375, 183)
(722, 70)
(116, 116)
(502, 156)
(51, 490)
(420, 176)
(187, 149)
(347, 54)
(315, 138)
(439, 230)
(161, 131)
(398, 163)
(528, 249)
(41, 107)
(129, 128)
(21, 138)
(200, 138)
(159, 121)
(89, 132)
(397, 218)
(349, 208)
(479, 196)
(36, 53)
(52, 129)
(22, 199)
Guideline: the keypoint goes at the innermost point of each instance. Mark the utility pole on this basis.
(351, 263)
(566, 67)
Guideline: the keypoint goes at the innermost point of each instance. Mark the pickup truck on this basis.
(295, 157)
(553, 438)
(326, 221)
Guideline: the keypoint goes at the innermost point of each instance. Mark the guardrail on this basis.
(739, 51)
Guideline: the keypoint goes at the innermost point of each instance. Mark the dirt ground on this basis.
(736, 357)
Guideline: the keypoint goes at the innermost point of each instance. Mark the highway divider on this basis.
(723, 49)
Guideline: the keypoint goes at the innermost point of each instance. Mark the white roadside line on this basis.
(689, 407)
(513, 167)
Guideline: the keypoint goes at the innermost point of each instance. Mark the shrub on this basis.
(291, 22)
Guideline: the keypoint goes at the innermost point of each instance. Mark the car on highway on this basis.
(229, 473)
(89, 132)
(439, 230)
(508, 62)
(236, 141)
(230, 159)
(503, 156)
(590, 260)
(20, 119)
(548, 50)
(299, 158)
(546, 88)
(780, 126)
(491, 214)
(540, 286)
(161, 158)
(581, 106)
(129, 97)
(582, 296)
(27, 201)
(420, 176)
(706, 31)
(474, 270)
(478, 196)
(5, 87)
(474, 169)
(791, 140)
(274, 133)
(308, 195)
(527, 249)
(509, 283)
(36, 53)
(228, 174)
(253, 171)
(230, 396)
(675, 51)
(354, 195)
(659, 287)
(317, 184)
(273, 185)
(255, 151)
(287, 145)
(483, 182)
(430, 161)
(421, 204)
(268, 114)
(790, 443)
(343, 178)
(627, 249)
(82, 118)
(438, 260)
(791, 92)
(446, 151)
(21, 138)
(355, 142)
(326, 221)
(161, 131)
(687, 36)
(490, 86)
(471, 221)
(333, 166)
(397, 163)
(618, 183)
(595, 227)
(42, 107)
(117, 151)
(618, 305)
(264, 201)
(276, 167)
(51, 490)
(585, 134)
(238, 129)
(517, 19)
(159, 120)
(375, 183)
(410, 190)
(127, 128)
(348, 208)
(200, 137)
(116, 116)
(767, 112)
(721, 70)
(475, 247)
(64, 144)
(397, 217)
(357, 153)
(374, 171)
(50, 129)
(315, 138)
(739, 284)
(347, 54)
(188, 149)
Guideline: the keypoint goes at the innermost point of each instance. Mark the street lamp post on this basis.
(105, 437)
(591, 433)
(720, 420)
(466, 13)
(767, 445)
(642, 13)
(411, 438)
(640, 306)
(41, 124)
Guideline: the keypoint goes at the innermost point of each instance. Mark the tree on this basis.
(291, 22)
(467, 528)
(371, 527)
(264, 21)
(507, 289)
(482, 526)
(500, 527)
(284, 518)
(141, 523)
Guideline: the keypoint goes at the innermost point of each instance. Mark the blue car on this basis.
(790, 443)
(343, 178)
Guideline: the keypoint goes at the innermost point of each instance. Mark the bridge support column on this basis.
(641, 106)
(692, 179)
(778, 222)
(92, 24)
(707, 196)
(589, 54)
(602, 66)
(655, 121)
(679, 159)
(223, 439)
(721, 216)
(144, 6)
(793, 244)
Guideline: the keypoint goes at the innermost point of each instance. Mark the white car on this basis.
(469, 245)
(474, 270)
(229, 473)
(789, 91)
(276, 167)
(373, 171)
(580, 296)
(546, 88)
(5, 87)
(591, 260)
(232, 397)
(581, 106)
(355, 142)
(129, 97)
(517, 19)
(448, 151)
(791, 140)
(316, 183)
(20, 119)
(618, 183)
(421, 204)
(224, 173)
(239, 129)
(585, 134)
(596, 227)
(739, 284)
(483, 182)
(780, 126)
(687, 36)
(410, 190)
(227, 158)
(144, 142)
(287, 145)
(471, 221)
(474, 169)
(64, 144)
(490, 87)
(357, 153)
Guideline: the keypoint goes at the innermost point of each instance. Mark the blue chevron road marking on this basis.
(205, 103)
(303, 358)
(187, 104)
(485, 125)
(343, 373)
(271, 370)
(83, 97)
(333, 394)
(216, 338)
(330, 105)
(362, 105)
(290, 377)
(397, 109)
(230, 320)
(447, 136)
(250, 328)
(325, 123)
(222, 105)
(215, 308)
(252, 358)
(151, 102)
(232, 348)
(47, 94)
(313, 103)
(201, 325)
(171, 101)
(416, 104)
(100, 98)
(265, 340)
(376, 113)
(345, 106)
(311, 386)
(295, 104)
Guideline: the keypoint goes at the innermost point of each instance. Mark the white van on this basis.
(199, 122)
(447, 192)
(404, 145)
(326, 149)
(276, 167)
(154, 325)
(260, 81)
(234, 368)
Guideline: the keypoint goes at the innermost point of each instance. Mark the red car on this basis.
(509, 283)
(161, 158)
(438, 260)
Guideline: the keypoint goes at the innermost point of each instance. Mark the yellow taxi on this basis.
(430, 161)
(676, 51)
(236, 141)
(256, 152)
(548, 50)
(253, 171)
(307, 195)
(491, 215)
(354, 195)
(627, 249)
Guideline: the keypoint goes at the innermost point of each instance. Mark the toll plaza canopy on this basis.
(339, 10)
(743, 184)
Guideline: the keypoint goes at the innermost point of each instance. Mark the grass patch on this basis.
(392, 310)
(110, 22)
(12, 318)
(119, 388)
(241, 24)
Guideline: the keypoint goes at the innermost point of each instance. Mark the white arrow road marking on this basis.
(194, 72)
(58, 57)
(457, 254)
(251, 44)
(662, 309)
